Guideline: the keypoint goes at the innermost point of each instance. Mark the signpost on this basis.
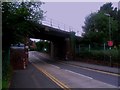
(110, 43)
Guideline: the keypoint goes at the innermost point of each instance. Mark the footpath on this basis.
(30, 78)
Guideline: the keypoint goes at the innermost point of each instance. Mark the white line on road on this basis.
(54, 66)
(89, 77)
(78, 74)
(91, 69)
(46, 62)
(39, 59)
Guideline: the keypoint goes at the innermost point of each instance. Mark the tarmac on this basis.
(95, 67)
(68, 77)
(86, 65)
(32, 78)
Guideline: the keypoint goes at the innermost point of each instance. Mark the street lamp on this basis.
(109, 35)
(109, 28)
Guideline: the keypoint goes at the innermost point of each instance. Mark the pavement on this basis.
(86, 65)
(30, 78)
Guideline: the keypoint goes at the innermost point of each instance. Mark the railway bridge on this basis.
(63, 44)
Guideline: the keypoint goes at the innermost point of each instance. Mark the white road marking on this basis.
(90, 69)
(54, 66)
(88, 77)
(46, 62)
(79, 74)
(40, 60)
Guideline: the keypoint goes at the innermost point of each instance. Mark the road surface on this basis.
(71, 76)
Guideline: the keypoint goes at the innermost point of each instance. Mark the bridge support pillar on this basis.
(52, 50)
(70, 46)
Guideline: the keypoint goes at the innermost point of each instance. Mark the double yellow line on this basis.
(59, 83)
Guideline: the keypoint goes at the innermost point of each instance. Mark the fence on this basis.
(99, 55)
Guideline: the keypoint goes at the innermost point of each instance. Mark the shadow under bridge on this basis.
(61, 42)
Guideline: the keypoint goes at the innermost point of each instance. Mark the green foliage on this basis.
(6, 69)
(17, 18)
(84, 54)
(96, 29)
(41, 45)
(106, 8)
(101, 55)
(16, 25)
(7, 78)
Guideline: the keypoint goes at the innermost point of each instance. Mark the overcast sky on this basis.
(71, 13)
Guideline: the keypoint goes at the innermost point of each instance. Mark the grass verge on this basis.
(6, 79)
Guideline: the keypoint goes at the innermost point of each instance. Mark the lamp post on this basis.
(109, 28)
(109, 36)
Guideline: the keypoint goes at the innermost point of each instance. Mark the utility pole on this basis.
(109, 38)
(109, 29)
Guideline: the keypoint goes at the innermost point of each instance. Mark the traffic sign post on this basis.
(110, 43)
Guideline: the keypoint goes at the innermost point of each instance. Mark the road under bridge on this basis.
(62, 43)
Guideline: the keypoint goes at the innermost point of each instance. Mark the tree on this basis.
(96, 29)
(17, 18)
(106, 8)
(41, 45)
(118, 31)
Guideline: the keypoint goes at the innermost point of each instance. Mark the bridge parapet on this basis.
(56, 24)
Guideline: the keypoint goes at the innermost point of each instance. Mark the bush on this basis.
(7, 78)
(101, 55)
(97, 55)
(7, 70)
(85, 54)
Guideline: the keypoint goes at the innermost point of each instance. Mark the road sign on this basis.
(110, 43)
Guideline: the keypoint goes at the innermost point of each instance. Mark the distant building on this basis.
(119, 5)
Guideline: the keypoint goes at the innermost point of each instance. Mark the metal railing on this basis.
(58, 25)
